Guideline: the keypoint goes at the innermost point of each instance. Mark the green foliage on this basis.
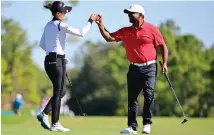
(189, 64)
(19, 73)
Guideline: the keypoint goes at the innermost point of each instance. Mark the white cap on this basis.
(135, 8)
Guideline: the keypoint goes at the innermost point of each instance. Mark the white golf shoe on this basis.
(43, 119)
(57, 127)
(146, 129)
(128, 130)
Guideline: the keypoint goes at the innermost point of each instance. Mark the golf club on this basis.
(81, 114)
(170, 84)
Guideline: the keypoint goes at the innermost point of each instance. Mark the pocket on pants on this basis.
(59, 62)
(151, 77)
(50, 63)
(150, 83)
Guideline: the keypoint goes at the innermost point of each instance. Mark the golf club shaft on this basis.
(74, 95)
(170, 84)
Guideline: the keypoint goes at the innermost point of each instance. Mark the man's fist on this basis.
(99, 19)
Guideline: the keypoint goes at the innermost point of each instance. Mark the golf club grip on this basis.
(170, 84)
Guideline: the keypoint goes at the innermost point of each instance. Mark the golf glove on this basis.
(66, 60)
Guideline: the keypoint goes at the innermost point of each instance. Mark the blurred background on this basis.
(98, 69)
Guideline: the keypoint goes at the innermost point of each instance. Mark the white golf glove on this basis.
(66, 60)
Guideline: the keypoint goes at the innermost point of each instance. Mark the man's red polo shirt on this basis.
(140, 43)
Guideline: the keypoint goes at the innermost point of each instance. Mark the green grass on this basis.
(25, 125)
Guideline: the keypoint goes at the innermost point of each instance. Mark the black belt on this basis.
(55, 55)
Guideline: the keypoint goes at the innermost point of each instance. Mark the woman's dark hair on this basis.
(48, 6)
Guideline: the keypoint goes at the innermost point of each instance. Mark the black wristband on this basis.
(90, 20)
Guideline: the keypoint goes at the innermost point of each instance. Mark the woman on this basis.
(53, 42)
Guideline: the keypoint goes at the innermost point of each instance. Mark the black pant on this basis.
(138, 79)
(55, 67)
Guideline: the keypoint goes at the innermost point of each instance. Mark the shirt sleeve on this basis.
(158, 37)
(42, 42)
(118, 35)
(76, 31)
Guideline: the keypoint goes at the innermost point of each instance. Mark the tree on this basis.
(188, 65)
(19, 73)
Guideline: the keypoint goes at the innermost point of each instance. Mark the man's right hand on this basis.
(99, 20)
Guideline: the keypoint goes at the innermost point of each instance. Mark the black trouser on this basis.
(138, 79)
(55, 67)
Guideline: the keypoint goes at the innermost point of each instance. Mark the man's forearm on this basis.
(106, 30)
(106, 35)
(164, 53)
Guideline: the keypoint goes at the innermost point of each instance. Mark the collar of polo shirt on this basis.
(141, 26)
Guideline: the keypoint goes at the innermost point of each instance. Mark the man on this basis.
(140, 41)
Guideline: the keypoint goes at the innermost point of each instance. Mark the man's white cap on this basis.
(135, 8)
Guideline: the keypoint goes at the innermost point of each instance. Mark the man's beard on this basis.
(133, 20)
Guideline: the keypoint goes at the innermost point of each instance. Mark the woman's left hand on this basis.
(66, 60)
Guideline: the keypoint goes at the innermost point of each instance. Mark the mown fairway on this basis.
(25, 125)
